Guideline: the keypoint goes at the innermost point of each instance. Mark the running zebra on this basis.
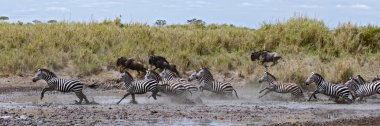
(167, 74)
(363, 90)
(166, 86)
(207, 82)
(327, 88)
(59, 84)
(278, 87)
(138, 86)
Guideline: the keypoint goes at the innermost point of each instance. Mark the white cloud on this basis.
(354, 6)
(56, 9)
(246, 4)
(360, 6)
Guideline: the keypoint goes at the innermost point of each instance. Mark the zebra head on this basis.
(203, 75)
(314, 77)
(193, 76)
(267, 77)
(126, 78)
(151, 74)
(360, 79)
(43, 74)
(352, 84)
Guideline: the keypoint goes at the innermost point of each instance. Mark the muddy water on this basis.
(18, 108)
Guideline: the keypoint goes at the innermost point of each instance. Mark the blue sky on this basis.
(248, 13)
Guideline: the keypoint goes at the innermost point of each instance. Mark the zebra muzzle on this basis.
(35, 79)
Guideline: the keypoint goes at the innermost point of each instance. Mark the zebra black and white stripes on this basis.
(275, 86)
(363, 90)
(170, 87)
(327, 88)
(207, 82)
(59, 84)
(167, 74)
(138, 86)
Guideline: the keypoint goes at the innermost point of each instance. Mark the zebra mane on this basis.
(271, 75)
(207, 72)
(317, 74)
(47, 72)
(356, 81)
(360, 78)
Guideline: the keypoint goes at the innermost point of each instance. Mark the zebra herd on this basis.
(169, 82)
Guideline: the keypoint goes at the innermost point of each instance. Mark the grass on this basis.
(82, 49)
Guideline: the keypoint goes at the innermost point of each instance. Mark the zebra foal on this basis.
(278, 87)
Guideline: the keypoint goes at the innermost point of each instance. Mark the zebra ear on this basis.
(312, 73)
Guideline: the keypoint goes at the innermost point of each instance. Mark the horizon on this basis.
(241, 13)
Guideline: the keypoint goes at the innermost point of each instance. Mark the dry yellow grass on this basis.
(82, 49)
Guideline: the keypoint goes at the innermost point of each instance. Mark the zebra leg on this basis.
(80, 98)
(154, 94)
(265, 93)
(123, 97)
(133, 101)
(84, 97)
(263, 89)
(313, 95)
(191, 94)
(44, 90)
(201, 88)
(236, 94)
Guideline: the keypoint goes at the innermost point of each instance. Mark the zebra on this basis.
(171, 87)
(328, 89)
(59, 84)
(138, 86)
(363, 90)
(360, 79)
(167, 74)
(208, 82)
(275, 86)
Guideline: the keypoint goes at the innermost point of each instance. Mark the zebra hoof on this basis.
(77, 102)
(133, 102)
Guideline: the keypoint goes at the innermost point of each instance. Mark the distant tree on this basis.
(52, 21)
(20, 22)
(36, 21)
(117, 21)
(3, 18)
(160, 22)
(196, 21)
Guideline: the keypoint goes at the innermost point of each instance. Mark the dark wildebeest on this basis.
(130, 63)
(265, 56)
(162, 63)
